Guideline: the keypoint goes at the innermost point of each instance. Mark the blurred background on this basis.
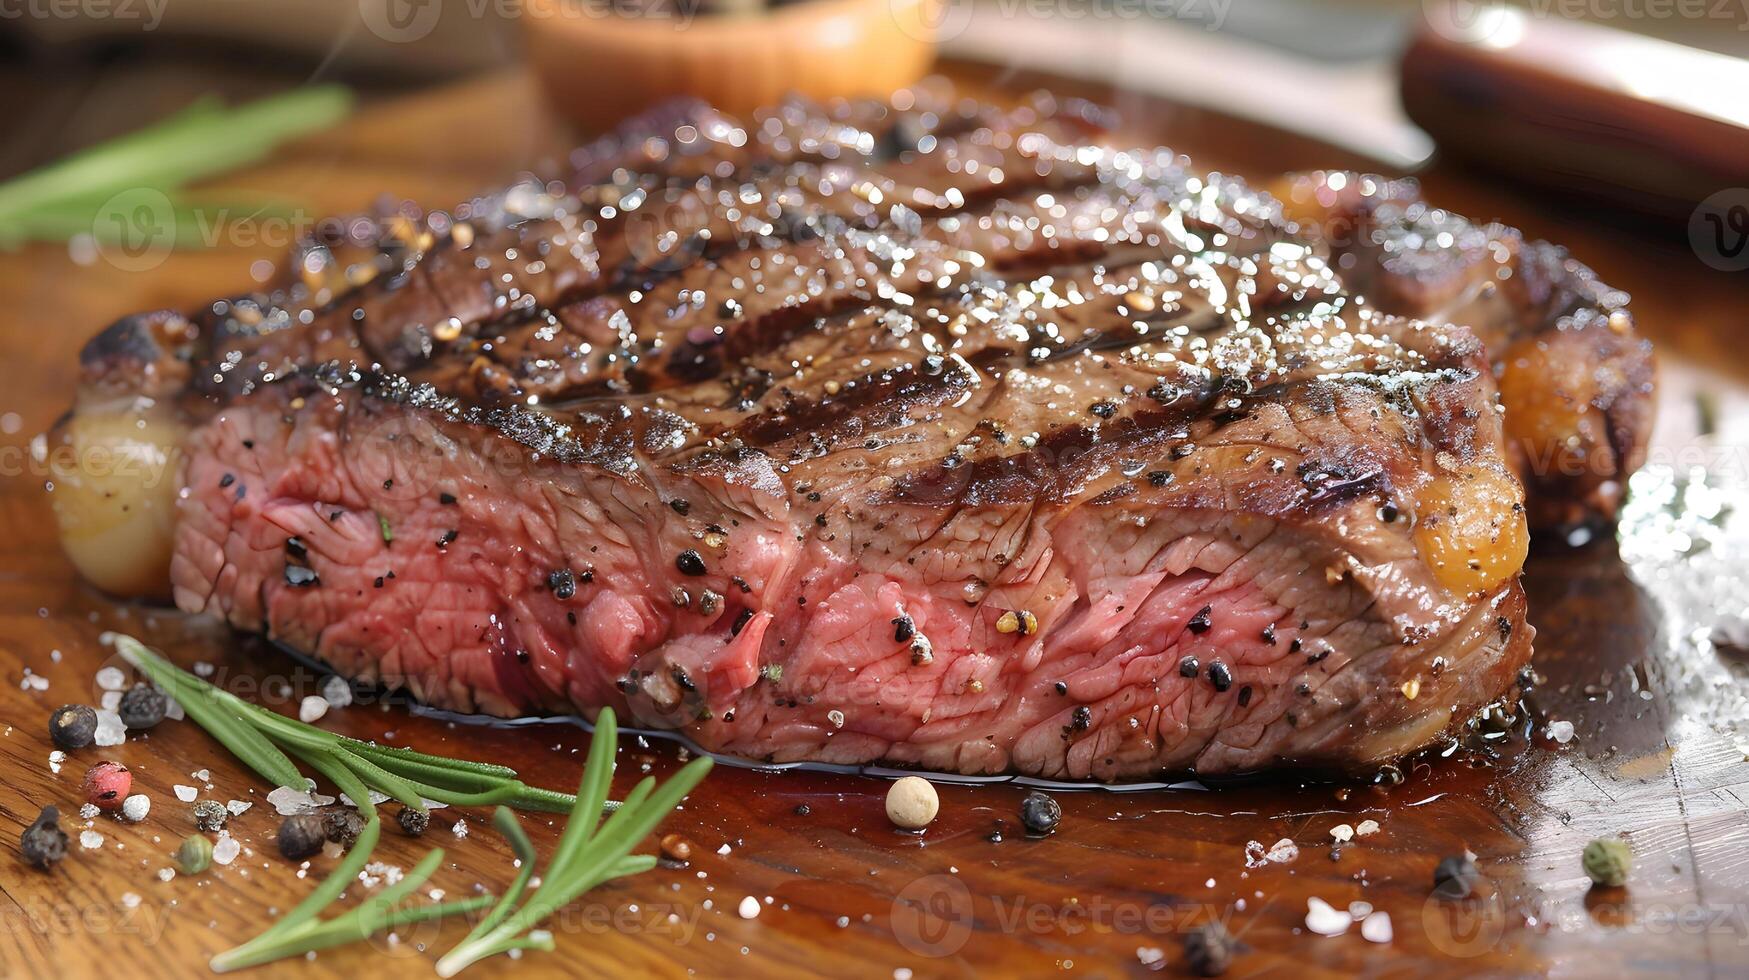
(1642, 105)
(79, 71)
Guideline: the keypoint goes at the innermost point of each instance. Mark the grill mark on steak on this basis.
(888, 386)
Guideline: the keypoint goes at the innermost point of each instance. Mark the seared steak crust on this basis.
(930, 435)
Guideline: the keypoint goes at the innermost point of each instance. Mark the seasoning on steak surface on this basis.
(766, 389)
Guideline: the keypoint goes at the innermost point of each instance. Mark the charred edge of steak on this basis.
(1576, 378)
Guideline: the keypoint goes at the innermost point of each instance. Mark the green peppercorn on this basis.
(1608, 861)
(195, 855)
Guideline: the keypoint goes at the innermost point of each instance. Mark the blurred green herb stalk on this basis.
(128, 191)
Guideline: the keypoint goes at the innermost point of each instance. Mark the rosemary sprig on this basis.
(261, 739)
(66, 197)
(590, 852)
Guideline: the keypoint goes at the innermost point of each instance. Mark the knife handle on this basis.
(1655, 126)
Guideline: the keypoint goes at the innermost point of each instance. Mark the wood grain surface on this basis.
(840, 891)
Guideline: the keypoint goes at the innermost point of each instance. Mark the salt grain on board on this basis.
(1324, 920)
(110, 730)
(311, 709)
(1284, 851)
(337, 692)
(226, 848)
(111, 679)
(1366, 827)
(1376, 928)
(90, 840)
(185, 793)
(749, 908)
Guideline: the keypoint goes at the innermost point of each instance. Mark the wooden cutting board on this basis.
(839, 891)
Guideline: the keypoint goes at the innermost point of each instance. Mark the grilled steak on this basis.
(931, 434)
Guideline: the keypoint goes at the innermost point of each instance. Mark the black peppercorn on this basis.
(1455, 877)
(142, 706)
(211, 815)
(690, 563)
(1189, 667)
(342, 826)
(300, 836)
(1201, 622)
(802, 810)
(1040, 813)
(412, 821)
(1220, 676)
(563, 582)
(1081, 718)
(1208, 951)
(44, 842)
(73, 726)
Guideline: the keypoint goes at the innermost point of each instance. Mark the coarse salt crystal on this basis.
(460, 829)
(723, 850)
(130, 900)
(1561, 731)
(1284, 851)
(1366, 827)
(311, 709)
(1324, 920)
(237, 807)
(110, 730)
(1359, 909)
(202, 775)
(1342, 832)
(185, 793)
(337, 692)
(226, 848)
(165, 874)
(749, 908)
(1376, 928)
(1152, 956)
(110, 701)
(203, 669)
(90, 840)
(55, 759)
(111, 679)
(89, 811)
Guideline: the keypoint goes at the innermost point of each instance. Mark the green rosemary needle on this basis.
(590, 852)
(262, 739)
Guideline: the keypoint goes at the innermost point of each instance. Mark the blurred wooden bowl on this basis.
(598, 68)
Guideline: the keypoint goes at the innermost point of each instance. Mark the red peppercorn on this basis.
(107, 785)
